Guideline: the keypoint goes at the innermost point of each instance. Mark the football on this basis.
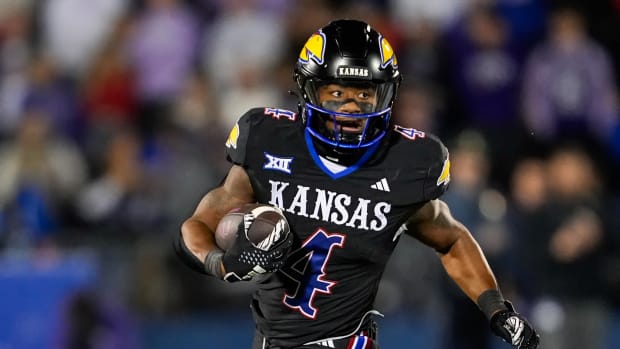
(265, 226)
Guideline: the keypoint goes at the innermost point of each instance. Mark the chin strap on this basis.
(346, 157)
(300, 103)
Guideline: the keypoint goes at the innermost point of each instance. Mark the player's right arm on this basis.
(198, 230)
(197, 240)
(196, 245)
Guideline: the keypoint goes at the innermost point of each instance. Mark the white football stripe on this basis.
(262, 209)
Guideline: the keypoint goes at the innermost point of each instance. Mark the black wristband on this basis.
(212, 263)
(490, 302)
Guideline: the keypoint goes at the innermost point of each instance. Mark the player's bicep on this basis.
(434, 225)
(233, 192)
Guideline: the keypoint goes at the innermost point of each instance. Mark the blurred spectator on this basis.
(109, 95)
(525, 18)
(241, 50)
(195, 109)
(568, 89)
(242, 39)
(562, 251)
(417, 107)
(39, 173)
(603, 23)
(475, 203)
(197, 117)
(180, 168)
(612, 251)
(206, 10)
(526, 220)
(163, 50)
(109, 90)
(56, 96)
(251, 90)
(484, 73)
(529, 191)
(154, 292)
(420, 57)
(73, 30)
(120, 200)
(15, 53)
(8, 7)
(441, 12)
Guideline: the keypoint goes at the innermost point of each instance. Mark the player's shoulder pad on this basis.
(250, 123)
(438, 177)
(428, 151)
(424, 147)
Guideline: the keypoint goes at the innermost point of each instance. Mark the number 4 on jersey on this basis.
(306, 267)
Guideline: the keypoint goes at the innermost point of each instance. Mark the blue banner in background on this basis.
(33, 291)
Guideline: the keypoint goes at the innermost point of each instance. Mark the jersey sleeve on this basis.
(438, 177)
(237, 142)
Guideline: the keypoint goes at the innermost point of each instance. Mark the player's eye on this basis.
(336, 93)
(363, 95)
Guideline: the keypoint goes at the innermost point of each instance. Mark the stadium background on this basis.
(113, 116)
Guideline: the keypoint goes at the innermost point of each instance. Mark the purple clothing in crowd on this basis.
(569, 91)
(58, 101)
(163, 51)
(485, 80)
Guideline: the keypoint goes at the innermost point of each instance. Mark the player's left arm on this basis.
(465, 263)
(460, 254)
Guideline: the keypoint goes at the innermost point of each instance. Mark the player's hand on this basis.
(514, 328)
(242, 261)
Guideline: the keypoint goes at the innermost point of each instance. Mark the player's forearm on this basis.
(198, 231)
(197, 249)
(467, 266)
(198, 237)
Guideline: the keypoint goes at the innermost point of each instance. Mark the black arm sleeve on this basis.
(186, 256)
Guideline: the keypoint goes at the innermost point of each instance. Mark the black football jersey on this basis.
(346, 224)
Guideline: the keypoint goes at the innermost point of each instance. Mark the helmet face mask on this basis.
(348, 79)
(346, 114)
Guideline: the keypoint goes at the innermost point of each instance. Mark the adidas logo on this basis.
(381, 185)
(327, 343)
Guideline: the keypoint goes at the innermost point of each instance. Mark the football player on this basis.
(350, 183)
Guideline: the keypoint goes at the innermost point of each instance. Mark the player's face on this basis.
(348, 100)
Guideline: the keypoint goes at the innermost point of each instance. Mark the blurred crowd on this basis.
(114, 113)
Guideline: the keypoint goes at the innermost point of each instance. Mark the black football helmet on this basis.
(348, 53)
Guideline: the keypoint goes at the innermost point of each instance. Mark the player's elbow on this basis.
(194, 236)
(186, 227)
